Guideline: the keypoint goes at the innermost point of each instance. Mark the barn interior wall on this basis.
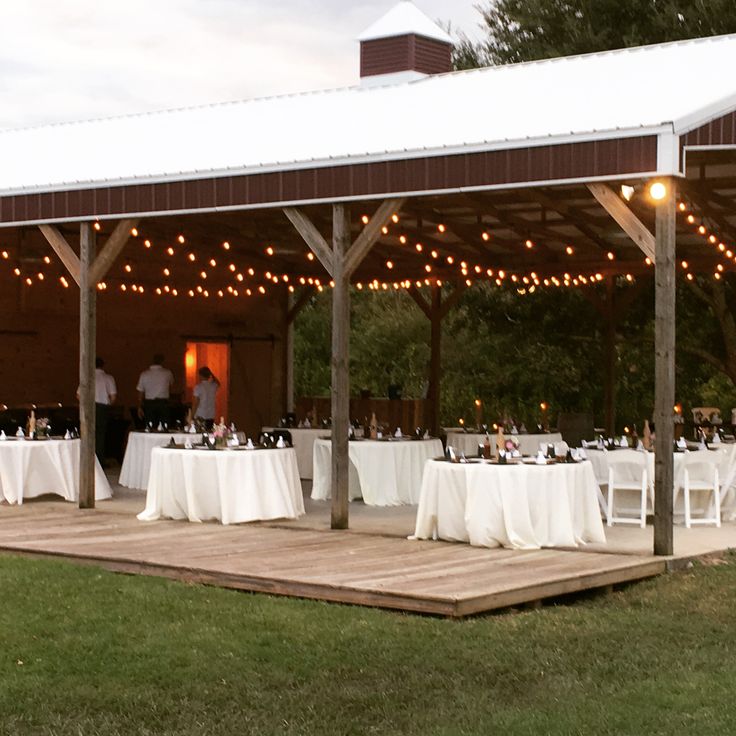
(39, 343)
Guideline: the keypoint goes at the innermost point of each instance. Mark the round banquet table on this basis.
(383, 472)
(31, 468)
(137, 458)
(467, 442)
(302, 440)
(520, 506)
(232, 486)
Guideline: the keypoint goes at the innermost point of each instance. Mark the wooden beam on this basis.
(297, 304)
(340, 365)
(629, 222)
(87, 339)
(435, 361)
(112, 249)
(62, 249)
(371, 232)
(421, 302)
(664, 370)
(312, 237)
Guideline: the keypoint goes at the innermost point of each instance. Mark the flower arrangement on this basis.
(43, 428)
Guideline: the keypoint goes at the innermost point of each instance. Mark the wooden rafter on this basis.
(629, 222)
(111, 250)
(312, 237)
(113, 247)
(62, 249)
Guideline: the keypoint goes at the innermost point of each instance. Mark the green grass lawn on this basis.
(83, 651)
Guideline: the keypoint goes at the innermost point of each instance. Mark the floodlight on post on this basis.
(657, 191)
(627, 192)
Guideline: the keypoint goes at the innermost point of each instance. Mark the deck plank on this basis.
(442, 578)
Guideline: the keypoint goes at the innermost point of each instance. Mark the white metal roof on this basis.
(404, 18)
(666, 88)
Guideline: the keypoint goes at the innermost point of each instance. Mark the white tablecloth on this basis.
(31, 468)
(302, 441)
(232, 486)
(137, 459)
(519, 506)
(467, 442)
(384, 473)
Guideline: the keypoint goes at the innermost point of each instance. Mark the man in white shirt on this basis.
(203, 403)
(154, 389)
(105, 394)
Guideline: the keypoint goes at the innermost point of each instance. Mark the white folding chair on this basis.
(727, 476)
(628, 478)
(700, 487)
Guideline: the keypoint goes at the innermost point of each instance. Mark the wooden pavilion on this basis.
(560, 173)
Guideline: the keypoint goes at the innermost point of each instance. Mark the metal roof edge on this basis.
(409, 154)
(705, 115)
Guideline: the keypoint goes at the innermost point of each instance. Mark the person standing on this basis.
(154, 389)
(105, 394)
(205, 392)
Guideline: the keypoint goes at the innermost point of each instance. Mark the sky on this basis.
(77, 59)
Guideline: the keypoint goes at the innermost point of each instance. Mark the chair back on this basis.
(702, 465)
(626, 466)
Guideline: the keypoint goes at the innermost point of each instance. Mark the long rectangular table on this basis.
(31, 468)
(231, 486)
(521, 506)
(383, 472)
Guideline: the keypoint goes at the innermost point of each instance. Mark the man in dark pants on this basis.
(105, 394)
(154, 388)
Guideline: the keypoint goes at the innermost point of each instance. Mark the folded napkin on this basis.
(250, 445)
(68, 435)
(20, 433)
(3, 436)
(281, 444)
(397, 433)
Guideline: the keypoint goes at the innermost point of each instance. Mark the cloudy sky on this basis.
(72, 59)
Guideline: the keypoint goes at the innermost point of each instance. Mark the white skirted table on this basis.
(521, 506)
(383, 472)
(231, 486)
(31, 468)
(467, 442)
(302, 440)
(137, 459)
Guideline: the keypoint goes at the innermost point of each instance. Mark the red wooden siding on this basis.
(606, 158)
(718, 132)
(404, 53)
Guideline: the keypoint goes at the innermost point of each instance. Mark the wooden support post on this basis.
(87, 341)
(340, 261)
(340, 365)
(609, 373)
(435, 361)
(289, 358)
(664, 370)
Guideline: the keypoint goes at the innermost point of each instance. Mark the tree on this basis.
(527, 30)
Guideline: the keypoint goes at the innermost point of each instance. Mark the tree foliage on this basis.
(527, 30)
(516, 351)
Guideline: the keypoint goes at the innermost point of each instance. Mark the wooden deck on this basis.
(347, 567)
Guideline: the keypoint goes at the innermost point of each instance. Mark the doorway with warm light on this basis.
(215, 356)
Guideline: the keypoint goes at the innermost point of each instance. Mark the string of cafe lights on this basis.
(697, 224)
(526, 282)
